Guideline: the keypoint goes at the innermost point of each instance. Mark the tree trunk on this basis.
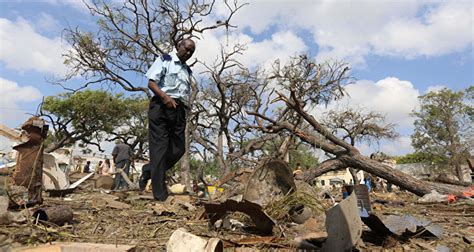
(386, 172)
(459, 172)
(378, 169)
(444, 179)
(354, 175)
(220, 159)
(185, 160)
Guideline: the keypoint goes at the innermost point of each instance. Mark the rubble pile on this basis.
(285, 216)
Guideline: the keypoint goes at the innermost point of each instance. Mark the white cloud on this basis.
(394, 98)
(396, 147)
(23, 49)
(441, 30)
(352, 30)
(390, 96)
(11, 114)
(281, 45)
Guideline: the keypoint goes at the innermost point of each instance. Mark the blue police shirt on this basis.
(172, 76)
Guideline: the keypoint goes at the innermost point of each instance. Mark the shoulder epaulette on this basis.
(166, 57)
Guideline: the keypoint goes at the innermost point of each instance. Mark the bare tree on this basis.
(301, 85)
(354, 125)
(131, 35)
(221, 110)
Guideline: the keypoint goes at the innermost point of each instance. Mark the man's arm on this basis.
(167, 100)
(114, 153)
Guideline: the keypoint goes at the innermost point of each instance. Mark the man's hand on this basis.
(168, 101)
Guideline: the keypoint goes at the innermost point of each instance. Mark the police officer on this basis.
(169, 78)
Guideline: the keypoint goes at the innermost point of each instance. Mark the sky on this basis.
(397, 50)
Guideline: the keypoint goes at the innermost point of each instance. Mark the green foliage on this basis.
(300, 153)
(91, 115)
(86, 110)
(415, 157)
(304, 156)
(208, 168)
(443, 126)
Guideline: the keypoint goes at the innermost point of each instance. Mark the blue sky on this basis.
(398, 50)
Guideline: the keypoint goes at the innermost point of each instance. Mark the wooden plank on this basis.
(80, 247)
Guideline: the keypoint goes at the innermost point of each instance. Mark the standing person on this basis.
(122, 154)
(169, 78)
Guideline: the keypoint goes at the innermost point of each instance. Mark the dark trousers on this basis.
(166, 140)
(119, 180)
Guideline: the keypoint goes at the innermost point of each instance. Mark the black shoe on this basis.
(142, 183)
(146, 175)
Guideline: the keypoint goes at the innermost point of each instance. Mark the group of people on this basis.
(101, 168)
(122, 155)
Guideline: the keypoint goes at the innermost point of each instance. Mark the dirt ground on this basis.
(127, 217)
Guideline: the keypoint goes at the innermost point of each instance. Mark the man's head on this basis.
(185, 49)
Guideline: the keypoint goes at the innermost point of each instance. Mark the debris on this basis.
(29, 164)
(186, 205)
(104, 182)
(409, 225)
(161, 209)
(376, 225)
(54, 177)
(451, 198)
(116, 204)
(70, 189)
(181, 240)
(177, 188)
(7, 217)
(311, 240)
(231, 176)
(362, 193)
(255, 240)
(433, 197)
(443, 178)
(281, 209)
(271, 181)
(141, 197)
(299, 213)
(343, 225)
(57, 214)
(81, 247)
(263, 223)
(77, 183)
(441, 248)
(131, 185)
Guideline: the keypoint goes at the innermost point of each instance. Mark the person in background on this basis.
(368, 182)
(105, 167)
(87, 167)
(297, 170)
(97, 168)
(122, 155)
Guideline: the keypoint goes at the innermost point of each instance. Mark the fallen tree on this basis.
(302, 85)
